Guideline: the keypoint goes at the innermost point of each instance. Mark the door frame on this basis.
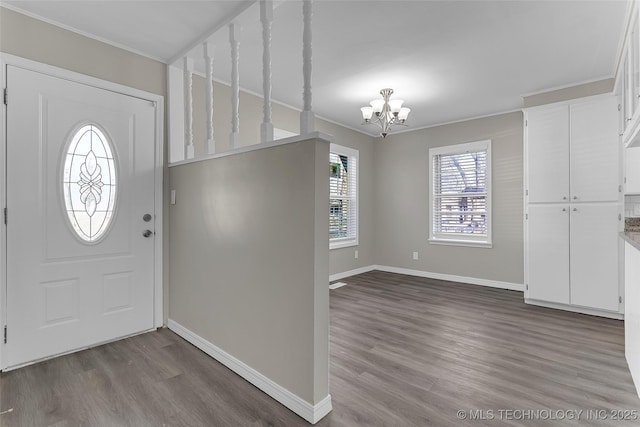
(157, 100)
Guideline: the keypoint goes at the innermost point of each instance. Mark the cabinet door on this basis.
(634, 67)
(624, 104)
(594, 256)
(632, 170)
(595, 155)
(547, 154)
(548, 253)
(632, 309)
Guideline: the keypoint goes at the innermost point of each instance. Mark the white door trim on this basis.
(158, 100)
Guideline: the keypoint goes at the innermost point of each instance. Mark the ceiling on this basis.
(449, 60)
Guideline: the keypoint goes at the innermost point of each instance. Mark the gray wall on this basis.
(249, 260)
(342, 259)
(36, 40)
(401, 203)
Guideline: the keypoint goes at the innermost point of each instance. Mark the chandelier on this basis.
(387, 112)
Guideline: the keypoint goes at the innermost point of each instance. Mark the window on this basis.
(343, 197)
(460, 196)
(89, 183)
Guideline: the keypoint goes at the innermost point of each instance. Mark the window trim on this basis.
(462, 239)
(345, 242)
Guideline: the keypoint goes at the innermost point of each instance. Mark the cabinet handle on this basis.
(564, 209)
(575, 197)
(575, 209)
(564, 197)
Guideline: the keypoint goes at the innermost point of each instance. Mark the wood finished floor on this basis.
(405, 351)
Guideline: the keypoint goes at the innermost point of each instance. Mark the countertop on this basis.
(633, 237)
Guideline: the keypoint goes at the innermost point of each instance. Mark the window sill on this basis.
(342, 244)
(468, 243)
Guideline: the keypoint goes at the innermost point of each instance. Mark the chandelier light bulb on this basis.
(404, 113)
(367, 113)
(377, 105)
(395, 105)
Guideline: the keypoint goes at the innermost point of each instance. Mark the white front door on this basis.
(80, 195)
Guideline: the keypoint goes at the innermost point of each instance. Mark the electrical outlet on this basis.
(355, 254)
(415, 255)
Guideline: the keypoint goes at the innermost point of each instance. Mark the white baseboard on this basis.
(349, 273)
(575, 309)
(452, 278)
(311, 413)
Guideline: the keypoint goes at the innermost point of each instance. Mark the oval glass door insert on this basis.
(89, 183)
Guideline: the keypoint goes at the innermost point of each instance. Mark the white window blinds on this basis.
(460, 192)
(343, 209)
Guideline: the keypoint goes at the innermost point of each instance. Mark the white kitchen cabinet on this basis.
(548, 253)
(573, 205)
(594, 257)
(572, 152)
(632, 311)
(548, 154)
(632, 170)
(628, 83)
(572, 254)
(595, 153)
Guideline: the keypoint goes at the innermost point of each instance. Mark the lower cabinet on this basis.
(572, 255)
(548, 253)
(632, 311)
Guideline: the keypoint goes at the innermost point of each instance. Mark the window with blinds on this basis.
(460, 196)
(343, 200)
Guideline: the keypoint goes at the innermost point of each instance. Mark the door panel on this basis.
(595, 155)
(548, 155)
(594, 256)
(548, 253)
(632, 170)
(64, 293)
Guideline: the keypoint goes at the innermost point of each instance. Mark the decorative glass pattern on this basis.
(89, 183)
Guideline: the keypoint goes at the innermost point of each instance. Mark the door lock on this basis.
(147, 233)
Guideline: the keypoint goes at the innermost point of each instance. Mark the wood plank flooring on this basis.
(405, 351)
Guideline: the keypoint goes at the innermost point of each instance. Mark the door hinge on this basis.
(5, 216)
(526, 287)
(526, 123)
(620, 186)
(526, 216)
(619, 217)
(5, 334)
(526, 192)
(619, 300)
(6, 97)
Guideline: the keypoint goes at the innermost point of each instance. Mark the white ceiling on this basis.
(449, 60)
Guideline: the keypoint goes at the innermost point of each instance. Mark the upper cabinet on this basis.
(628, 90)
(548, 154)
(628, 84)
(595, 156)
(632, 170)
(572, 152)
